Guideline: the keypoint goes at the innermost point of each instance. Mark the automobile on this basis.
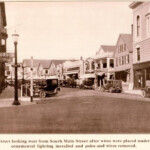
(51, 88)
(112, 86)
(146, 91)
(87, 83)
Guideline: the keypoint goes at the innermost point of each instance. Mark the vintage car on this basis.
(112, 86)
(87, 83)
(146, 90)
(51, 88)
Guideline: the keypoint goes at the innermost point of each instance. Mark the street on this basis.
(76, 110)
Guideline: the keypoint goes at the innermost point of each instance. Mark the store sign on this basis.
(6, 57)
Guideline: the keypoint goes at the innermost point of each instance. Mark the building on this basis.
(3, 37)
(43, 70)
(141, 43)
(40, 68)
(123, 59)
(73, 68)
(56, 68)
(104, 64)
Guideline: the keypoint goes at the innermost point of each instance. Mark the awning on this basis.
(71, 72)
(87, 76)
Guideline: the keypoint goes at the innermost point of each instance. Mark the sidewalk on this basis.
(6, 98)
(7, 102)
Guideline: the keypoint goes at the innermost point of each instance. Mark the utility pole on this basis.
(31, 85)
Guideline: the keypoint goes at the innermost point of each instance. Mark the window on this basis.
(87, 65)
(46, 71)
(138, 54)
(127, 59)
(104, 64)
(116, 61)
(111, 63)
(122, 60)
(124, 47)
(93, 65)
(148, 26)
(98, 65)
(138, 25)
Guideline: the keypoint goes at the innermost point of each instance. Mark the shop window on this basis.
(138, 54)
(148, 74)
(138, 25)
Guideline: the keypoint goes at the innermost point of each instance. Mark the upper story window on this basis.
(138, 25)
(87, 65)
(98, 65)
(148, 26)
(122, 48)
(138, 54)
(93, 65)
(116, 61)
(111, 63)
(127, 59)
(104, 64)
(46, 71)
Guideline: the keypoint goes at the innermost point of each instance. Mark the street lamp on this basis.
(15, 39)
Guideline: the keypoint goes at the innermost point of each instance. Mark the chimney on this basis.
(81, 58)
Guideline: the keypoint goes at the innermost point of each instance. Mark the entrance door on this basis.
(139, 79)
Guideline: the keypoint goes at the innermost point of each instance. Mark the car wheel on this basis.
(111, 90)
(102, 89)
(144, 94)
(42, 94)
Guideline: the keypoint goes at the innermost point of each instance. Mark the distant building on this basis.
(104, 64)
(73, 68)
(3, 37)
(56, 68)
(123, 59)
(42, 69)
(141, 43)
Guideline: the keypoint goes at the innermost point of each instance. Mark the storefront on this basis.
(141, 74)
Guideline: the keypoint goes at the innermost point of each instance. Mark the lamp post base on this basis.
(16, 103)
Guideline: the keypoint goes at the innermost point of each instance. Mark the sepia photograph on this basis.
(74, 67)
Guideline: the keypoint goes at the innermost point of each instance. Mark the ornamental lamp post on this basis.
(15, 39)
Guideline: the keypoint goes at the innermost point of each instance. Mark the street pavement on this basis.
(75, 110)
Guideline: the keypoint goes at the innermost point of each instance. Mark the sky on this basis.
(65, 30)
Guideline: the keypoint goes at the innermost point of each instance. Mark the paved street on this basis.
(79, 111)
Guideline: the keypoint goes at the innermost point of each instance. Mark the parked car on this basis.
(51, 88)
(87, 83)
(146, 90)
(44, 88)
(112, 86)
